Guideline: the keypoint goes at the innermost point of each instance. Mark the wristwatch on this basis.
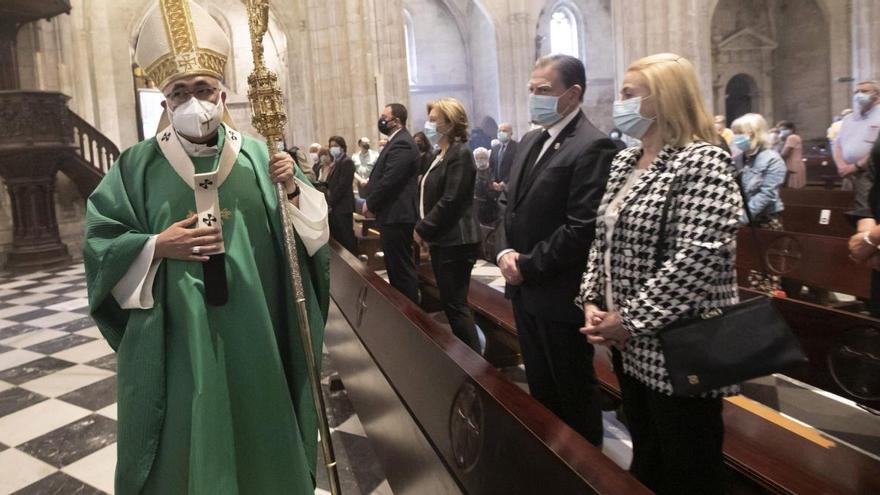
(867, 238)
(294, 194)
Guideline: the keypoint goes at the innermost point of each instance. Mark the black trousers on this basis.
(559, 369)
(397, 244)
(677, 441)
(452, 267)
(342, 230)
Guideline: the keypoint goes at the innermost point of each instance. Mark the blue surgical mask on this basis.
(336, 151)
(743, 142)
(431, 132)
(503, 136)
(628, 117)
(542, 109)
(784, 133)
(861, 100)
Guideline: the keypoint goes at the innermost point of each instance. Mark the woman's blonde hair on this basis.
(453, 111)
(681, 114)
(755, 124)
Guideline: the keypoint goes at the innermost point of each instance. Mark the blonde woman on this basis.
(762, 173)
(447, 223)
(628, 297)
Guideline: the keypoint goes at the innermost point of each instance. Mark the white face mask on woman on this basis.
(197, 118)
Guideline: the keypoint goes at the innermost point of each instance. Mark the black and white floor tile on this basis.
(58, 397)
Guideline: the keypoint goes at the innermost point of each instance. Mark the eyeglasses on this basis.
(182, 95)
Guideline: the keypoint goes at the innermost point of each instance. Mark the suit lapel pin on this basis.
(556, 146)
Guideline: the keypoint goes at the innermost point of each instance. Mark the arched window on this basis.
(564, 31)
(409, 34)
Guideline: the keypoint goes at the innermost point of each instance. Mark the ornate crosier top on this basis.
(264, 94)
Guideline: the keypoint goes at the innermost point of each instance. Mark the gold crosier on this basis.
(269, 119)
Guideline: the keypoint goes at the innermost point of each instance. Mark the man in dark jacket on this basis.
(391, 196)
(555, 186)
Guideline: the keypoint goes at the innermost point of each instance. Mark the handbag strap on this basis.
(664, 219)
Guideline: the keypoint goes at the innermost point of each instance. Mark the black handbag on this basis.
(725, 346)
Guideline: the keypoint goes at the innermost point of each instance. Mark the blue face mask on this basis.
(861, 100)
(743, 142)
(784, 133)
(431, 133)
(628, 117)
(542, 109)
(335, 151)
(503, 136)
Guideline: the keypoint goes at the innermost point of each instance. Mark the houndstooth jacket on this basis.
(699, 268)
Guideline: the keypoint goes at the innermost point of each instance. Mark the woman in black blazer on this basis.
(447, 224)
(340, 196)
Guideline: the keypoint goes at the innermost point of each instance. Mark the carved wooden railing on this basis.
(92, 146)
(40, 136)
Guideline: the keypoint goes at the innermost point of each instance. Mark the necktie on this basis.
(500, 160)
(532, 157)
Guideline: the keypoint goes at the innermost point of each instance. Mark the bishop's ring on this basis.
(196, 249)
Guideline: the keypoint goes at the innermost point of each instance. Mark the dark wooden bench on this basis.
(812, 196)
(814, 260)
(765, 451)
(818, 220)
(440, 418)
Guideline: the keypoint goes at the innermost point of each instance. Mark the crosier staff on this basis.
(269, 119)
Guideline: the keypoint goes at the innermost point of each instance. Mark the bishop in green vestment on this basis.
(213, 398)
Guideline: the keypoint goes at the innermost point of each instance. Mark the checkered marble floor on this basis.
(58, 396)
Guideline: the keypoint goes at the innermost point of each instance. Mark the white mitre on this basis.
(180, 39)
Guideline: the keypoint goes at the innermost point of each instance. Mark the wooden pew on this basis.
(819, 164)
(763, 455)
(440, 418)
(820, 330)
(818, 261)
(812, 196)
(812, 220)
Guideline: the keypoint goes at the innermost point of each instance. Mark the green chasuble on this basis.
(212, 399)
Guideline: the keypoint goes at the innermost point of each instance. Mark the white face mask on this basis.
(313, 157)
(196, 118)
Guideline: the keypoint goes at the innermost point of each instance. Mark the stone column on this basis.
(643, 27)
(517, 52)
(865, 35)
(8, 62)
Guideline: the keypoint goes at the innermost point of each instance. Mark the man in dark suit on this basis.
(501, 158)
(555, 186)
(391, 196)
(500, 161)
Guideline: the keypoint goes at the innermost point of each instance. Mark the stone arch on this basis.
(571, 9)
(741, 96)
(594, 32)
(779, 42)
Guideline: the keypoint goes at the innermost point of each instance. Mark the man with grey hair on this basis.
(502, 157)
(857, 135)
(556, 181)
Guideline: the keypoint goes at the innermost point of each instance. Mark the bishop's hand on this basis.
(181, 242)
(281, 171)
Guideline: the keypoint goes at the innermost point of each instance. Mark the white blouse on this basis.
(610, 218)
